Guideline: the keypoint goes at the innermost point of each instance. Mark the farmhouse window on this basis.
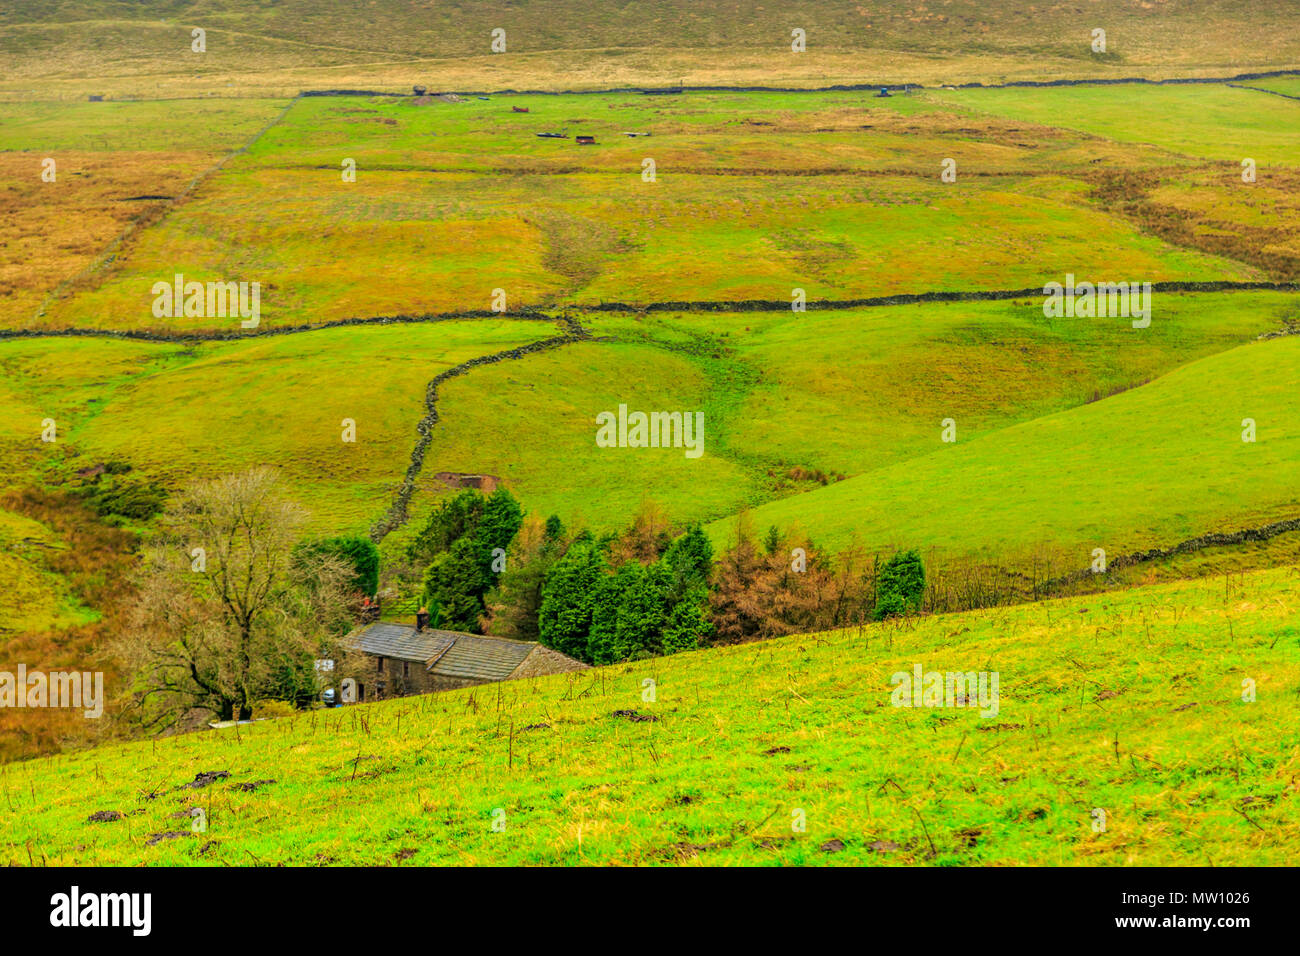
(379, 665)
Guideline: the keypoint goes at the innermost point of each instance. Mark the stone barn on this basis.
(454, 479)
(402, 659)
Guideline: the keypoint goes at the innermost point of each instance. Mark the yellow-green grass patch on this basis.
(214, 408)
(533, 423)
(444, 242)
(1149, 467)
(31, 598)
(1208, 120)
(853, 390)
(1130, 702)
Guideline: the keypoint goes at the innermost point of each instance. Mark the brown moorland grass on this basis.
(95, 562)
(49, 232)
(71, 48)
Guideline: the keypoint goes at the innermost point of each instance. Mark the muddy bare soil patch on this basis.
(205, 778)
(633, 716)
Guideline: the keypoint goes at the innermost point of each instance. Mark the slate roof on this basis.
(403, 642)
(481, 658)
(446, 653)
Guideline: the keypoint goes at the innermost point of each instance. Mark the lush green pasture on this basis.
(691, 132)
(753, 197)
(837, 391)
(533, 423)
(184, 412)
(854, 390)
(209, 125)
(1216, 122)
(1151, 466)
(1286, 85)
(1130, 703)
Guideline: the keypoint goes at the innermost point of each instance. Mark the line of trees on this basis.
(237, 607)
(652, 589)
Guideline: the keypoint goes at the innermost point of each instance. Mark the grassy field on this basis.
(33, 598)
(765, 382)
(1072, 434)
(1152, 466)
(116, 168)
(1132, 703)
(1225, 123)
(179, 412)
(782, 391)
(1286, 85)
(455, 200)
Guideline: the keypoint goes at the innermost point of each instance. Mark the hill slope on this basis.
(1151, 466)
(1131, 703)
(294, 44)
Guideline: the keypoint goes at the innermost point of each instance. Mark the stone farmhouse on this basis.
(401, 659)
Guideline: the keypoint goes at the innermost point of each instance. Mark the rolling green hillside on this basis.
(779, 391)
(670, 292)
(1152, 466)
(181, 412)
(1131, 704)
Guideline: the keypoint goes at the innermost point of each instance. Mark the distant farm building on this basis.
(519, 109)
(586, 140)
(484, 483)
(96, 98)
(400, 659)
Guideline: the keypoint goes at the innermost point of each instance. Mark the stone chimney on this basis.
(421, 619)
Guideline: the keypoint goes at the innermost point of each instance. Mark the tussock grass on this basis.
(1131, 703)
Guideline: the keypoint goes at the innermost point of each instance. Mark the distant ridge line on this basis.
(834, 88)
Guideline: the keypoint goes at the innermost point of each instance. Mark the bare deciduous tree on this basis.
(229, 612)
